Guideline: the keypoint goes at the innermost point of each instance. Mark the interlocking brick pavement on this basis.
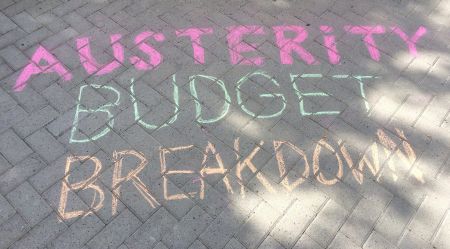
(224, 124)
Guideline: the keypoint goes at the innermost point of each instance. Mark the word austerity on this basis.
(288, 39)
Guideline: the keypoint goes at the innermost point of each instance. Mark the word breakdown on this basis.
(288, 38)
(371, 160)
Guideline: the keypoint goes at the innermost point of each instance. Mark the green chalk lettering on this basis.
(198, 105)
(104, 108)
(265, 95)
(137, 115)
(360, 78)
(311, 75)
(340, 76)
(301, 96)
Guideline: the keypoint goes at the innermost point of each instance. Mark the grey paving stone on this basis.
(13, 148)
(7, 24)
(30, 100)
(432, 159)
(158, 225)
(116, 6)
(49, 175)
(7, 102)
(78, 22)
(78, 233)
(394, 220)
(361, 222)
(33, 38)
(11, 37)
(442, 238)
(180, 238)
(20, 172)
(51, 21)
(40, 8)
(68, 7)
(11, 117)
(90, 8)
(63, 123)
(410, 240)
(294, 222)
(29, 204)
(234, 244)
(16, 8)
(14, 57)
(7, 3)
(197, 245)
(78, 149)
(59, 38)
(5, 71)
(26, 22)
(306, 242)
(40, 235)
(4, 165)
(188, 229)
(270, 242)
(45, 145)
(324, 228)
(70, 58)
(341, 193)
(222, 229)
(116, 232)
(377, 241)
(265, 216)
(59, 98)
(127, 21)
(342, 241)
(160, 245)
(213, 202)
(36, 121)
(12, 230)
(6, 210)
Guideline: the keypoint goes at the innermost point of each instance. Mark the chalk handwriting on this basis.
(342, 158)
(238, 48)
(281, 101)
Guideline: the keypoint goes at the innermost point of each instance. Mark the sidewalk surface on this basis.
(224, 124)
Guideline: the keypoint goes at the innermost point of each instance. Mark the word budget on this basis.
(290, 39)
(197, 82)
